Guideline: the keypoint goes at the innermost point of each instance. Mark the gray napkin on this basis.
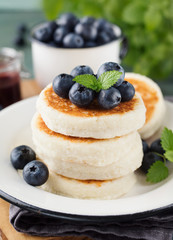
(157, 227)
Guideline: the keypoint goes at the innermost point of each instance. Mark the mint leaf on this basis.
(87, 80)
(108, 79)
(169, 155)
(105, 81)
(167, 139)
(157, 172)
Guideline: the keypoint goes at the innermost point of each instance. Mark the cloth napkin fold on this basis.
(157, 227)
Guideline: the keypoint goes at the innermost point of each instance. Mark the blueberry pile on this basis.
(81, 96)
(151, 154)
(68, 31)
(35, 172)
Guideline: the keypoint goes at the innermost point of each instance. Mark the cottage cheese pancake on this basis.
(153, 100)
(94, 152)
(61, 116)
(89, 189)
(129, 163)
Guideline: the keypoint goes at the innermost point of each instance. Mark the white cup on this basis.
(49, 61)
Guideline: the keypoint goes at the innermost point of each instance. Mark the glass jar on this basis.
(10, 67)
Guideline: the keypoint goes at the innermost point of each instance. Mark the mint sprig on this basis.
(158, 170)
(105, 81)
(167, 139)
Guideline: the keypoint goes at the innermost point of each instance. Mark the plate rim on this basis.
(82, 218)
(78, 217)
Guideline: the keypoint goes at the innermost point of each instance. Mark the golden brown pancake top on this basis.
(148, 94)
(65, 106)
(42, 126)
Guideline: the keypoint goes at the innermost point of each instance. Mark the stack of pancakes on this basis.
(90, 152)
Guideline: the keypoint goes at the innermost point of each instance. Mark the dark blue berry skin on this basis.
(52, 26)
(110, 66)
(80, 70)
(59, 34)
(109, 30)
(100, 23)
(157, 147)
(80, 95)
(68, 20)
(148, 159)
(90, 44)
(127, 91)
(103, 38)
(35, 173)
(109, 98)
(62, 84)
(72, 40)
(87, 20)
(53, 44)
(88, 32)
(43, 34)
(22, 155)
(145, 147)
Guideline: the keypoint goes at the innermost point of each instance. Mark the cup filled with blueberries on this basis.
(60, 45)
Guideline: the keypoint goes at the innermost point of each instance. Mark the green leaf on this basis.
(108, 79)
(167, 139)
(169, 155)
(87, 80)
(105, 81)
(157, 172)
(152, 22)
(134, 12)
(52, 8)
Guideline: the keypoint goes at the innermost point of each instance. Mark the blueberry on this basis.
(90, 44)
(53, 44)
(80, 70)
(127, 91)
(157, 147)
(80, 95)
(109, 98)
(62, 84)
(87, 20)
(103, 37)
(59, 34)
(145, 147)
(100, 23)
(110, 31)
(52, 26)
(73, 40)
(35, 173)
(22, 155)
(43, 34)
(148, 159)
(19, 41)
(68, 20)
(88, 32)
(110, 66)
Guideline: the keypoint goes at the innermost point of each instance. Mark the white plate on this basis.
(143, 200)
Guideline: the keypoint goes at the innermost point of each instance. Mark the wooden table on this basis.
(7, 232)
